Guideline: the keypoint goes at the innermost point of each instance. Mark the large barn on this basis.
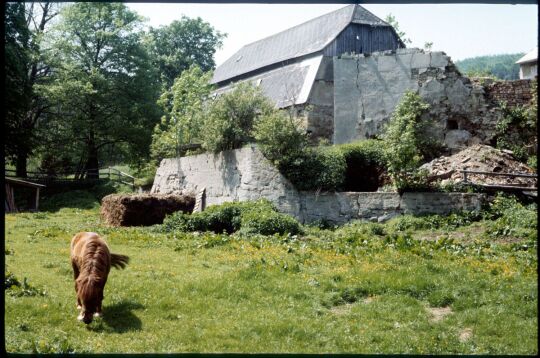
(295, 66)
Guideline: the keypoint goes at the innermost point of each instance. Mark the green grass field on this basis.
(361, 288)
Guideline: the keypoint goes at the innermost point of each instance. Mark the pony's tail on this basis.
(119, 261)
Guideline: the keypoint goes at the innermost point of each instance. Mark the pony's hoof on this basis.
(98, 314)
(80, 317)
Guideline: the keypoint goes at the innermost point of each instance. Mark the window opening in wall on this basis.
(452, 124)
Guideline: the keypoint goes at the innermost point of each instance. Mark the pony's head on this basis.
(90, 294)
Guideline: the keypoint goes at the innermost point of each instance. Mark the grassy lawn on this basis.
(361, 288)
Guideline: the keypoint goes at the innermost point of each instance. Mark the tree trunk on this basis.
(92, 161)
(21, 163)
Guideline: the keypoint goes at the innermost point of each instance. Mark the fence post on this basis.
(464, 176)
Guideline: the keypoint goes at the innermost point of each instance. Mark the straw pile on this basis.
(142, 209)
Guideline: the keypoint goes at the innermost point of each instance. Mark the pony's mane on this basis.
(94, 269)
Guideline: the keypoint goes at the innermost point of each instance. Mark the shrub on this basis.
(513, 219)
(365, 165)
(402, 139)
(251, 217)
(266, 222)
(183, 106)
(280, 137)
(230, 118)
(516, 130)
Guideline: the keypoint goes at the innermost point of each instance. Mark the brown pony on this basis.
(92, 261)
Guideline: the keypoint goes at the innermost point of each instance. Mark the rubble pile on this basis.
(479, 158)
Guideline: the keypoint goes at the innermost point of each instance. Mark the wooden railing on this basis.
(108, 173)
(497, 186)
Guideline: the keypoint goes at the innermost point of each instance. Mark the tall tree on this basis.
(185, 42)
(105, 89)
(183, 106)
(26, 68)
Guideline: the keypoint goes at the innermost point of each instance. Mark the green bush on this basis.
(250, 217)
(267, 222)
(517, 129)
(512, 219)
(280, 137)
(230, 118)
(182, 105)
(403, 139)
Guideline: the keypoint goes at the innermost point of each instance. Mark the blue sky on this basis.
(460, 30)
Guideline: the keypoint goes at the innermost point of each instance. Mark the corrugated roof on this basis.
(286, 85)
(530, 57)
(309, 37)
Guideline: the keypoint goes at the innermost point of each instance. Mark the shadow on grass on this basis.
(118, 318)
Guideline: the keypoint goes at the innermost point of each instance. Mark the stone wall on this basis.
(367, 89)
(518, 92)
(245, 174)
(235, 175)
(339, 208)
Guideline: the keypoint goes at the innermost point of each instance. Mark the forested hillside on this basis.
(502, 66)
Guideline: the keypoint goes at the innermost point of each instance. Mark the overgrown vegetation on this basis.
(183, 120)
(259, 217)
(403, 141)
(517, 130)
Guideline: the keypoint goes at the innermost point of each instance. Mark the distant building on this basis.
(528, 65)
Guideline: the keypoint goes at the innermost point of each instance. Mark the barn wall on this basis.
(362, 39)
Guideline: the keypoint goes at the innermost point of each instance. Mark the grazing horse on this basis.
(92, 261)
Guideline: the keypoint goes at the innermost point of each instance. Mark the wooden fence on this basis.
(109, 173)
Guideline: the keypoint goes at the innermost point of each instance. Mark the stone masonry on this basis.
(244, 174)
(367, 88)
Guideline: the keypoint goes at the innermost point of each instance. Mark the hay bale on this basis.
(142, 209)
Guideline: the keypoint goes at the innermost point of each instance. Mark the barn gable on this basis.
(329, 34)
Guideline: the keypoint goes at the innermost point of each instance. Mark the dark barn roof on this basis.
(308, 38)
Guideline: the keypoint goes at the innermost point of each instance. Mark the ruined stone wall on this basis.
(513, 93)
(245, 174)
(367, 88)
(235, 175)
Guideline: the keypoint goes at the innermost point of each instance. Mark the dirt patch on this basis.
(479, 158)
(438, 313)
(465, 335)
(341, 310)
(142, 209)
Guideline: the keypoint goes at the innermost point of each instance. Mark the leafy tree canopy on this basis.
(185, 42)
(183, 106)
(501, 66)
(105, 87)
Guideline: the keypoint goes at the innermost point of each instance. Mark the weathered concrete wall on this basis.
(236, 175)
(368, 88)
(319, 109)
(245, 174)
